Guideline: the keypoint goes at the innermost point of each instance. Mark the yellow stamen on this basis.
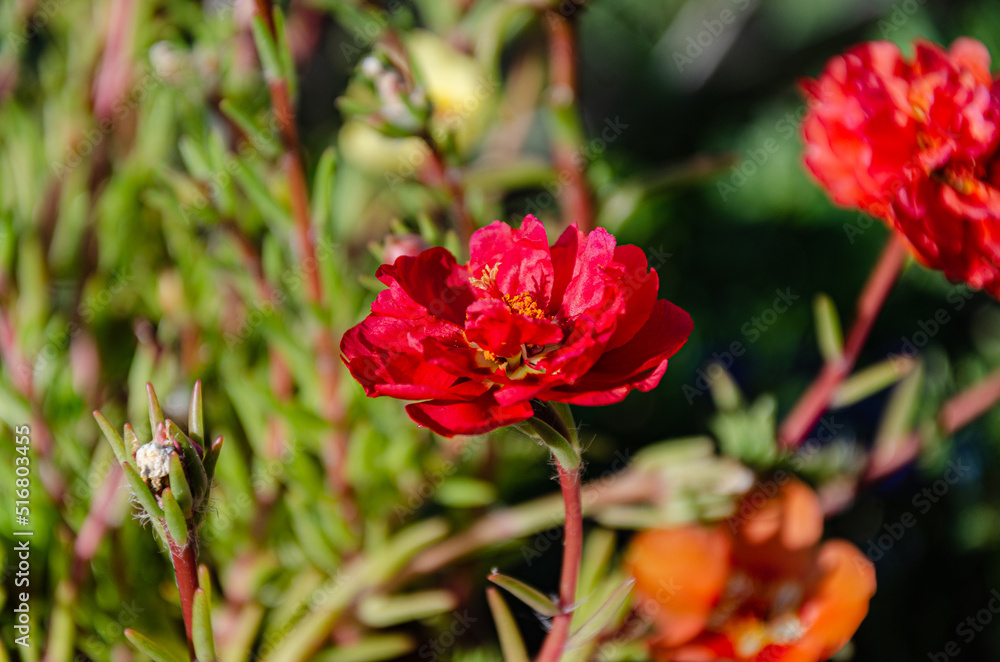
(750, 638)
(488, 280)
(524, 304)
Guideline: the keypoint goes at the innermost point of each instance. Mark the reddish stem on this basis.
(185, 562)
(970, 404)
(574, 197)
(436, 174)
(284, 113)
(816, 399)
(325, 349)
(552, 647)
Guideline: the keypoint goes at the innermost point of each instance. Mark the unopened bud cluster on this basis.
(170, 476)
(388, 98)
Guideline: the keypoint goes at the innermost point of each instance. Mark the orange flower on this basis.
(758, 588)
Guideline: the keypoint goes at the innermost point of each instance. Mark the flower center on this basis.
(524, 304)
(524, 362)
(753, 616)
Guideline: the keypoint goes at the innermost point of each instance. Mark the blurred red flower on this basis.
(758, 588)
(915, 143)
(578, 322)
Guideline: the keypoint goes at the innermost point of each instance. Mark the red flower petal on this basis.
(915, 143)
(521, 257)
(470, 417)
(640, 286)
(665, 332)
(434, 280)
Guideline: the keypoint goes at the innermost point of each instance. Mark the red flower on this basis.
(578, 322)
(915, 143)
(759, 588)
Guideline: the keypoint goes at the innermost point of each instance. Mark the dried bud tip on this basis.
(153, 462)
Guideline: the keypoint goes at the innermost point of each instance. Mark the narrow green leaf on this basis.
(259, 195)
(284, 52)
(725, 393)
(604, 615)
(560, 447)
(429, 229)
(311, 630)
(373, 648)
(565, 414)
(405, 545)
(32, 281)
(205, 581)
(172, 515)
(526, 173)
(829, 335)
(314, 628)
(194, 158)
(179, 486)
(259, 139)
(315, 546)
(212, 458)
(266, 49)
(243, 633)
(61, 625)
(196, 474)
(870, 381)
(196, 417)
(223, 192)
(898, 413)
(201, 627)
(149, 647)
(380, 611)
(597, 553)
(675, 452)
(452, 243)
(155, 411)
(465, 492)
(132, 441)
(117, 445)
(322, 190)
(529, 595)
(511, 643)
(141, 492)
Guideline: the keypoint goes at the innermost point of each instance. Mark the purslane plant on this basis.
(275, 395)
(170, 479)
